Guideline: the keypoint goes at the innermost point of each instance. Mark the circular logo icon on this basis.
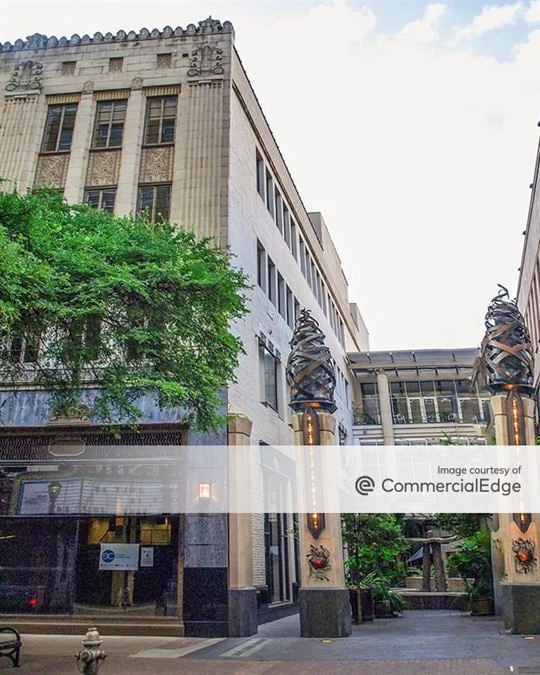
(108, 556)
(364, 485)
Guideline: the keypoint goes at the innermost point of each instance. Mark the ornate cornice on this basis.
(38, 41)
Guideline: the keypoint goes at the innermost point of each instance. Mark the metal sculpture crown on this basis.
(310, 367)
(507, 356)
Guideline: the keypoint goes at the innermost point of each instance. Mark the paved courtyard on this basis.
(438, 643)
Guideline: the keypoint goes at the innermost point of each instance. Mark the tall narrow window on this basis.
(269, 372)
(261, 266)
(279, 212)
(259, 167)
(59, 128)
(109, 126)
(101, 198)
(302, 256)
(287, 228)
(282, 309)
(296, 310)
(269, 193)
(154, 200)
(271, 280)
(290, 308)
(294, 244)
(160, 120)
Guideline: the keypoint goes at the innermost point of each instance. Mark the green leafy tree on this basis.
(375, 544)
(462, 524)
(120, 304)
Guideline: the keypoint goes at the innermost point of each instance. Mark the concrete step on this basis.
(107, 625)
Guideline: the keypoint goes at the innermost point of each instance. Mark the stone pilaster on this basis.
(80, 144)
(242, 593)
(126, 195)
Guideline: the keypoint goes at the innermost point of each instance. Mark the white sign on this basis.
(147, 556)
(119, 557)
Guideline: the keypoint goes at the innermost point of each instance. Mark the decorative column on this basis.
(385, 406)
(242, 593)
(126, 195)
(325, 609)
(80, 146)
(508, 370)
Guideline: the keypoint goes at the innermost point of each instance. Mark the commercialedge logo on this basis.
(364, 485)
(477, 485)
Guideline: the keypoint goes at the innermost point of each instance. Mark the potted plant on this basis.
(472, 560)
(387, 602)
(360, 593)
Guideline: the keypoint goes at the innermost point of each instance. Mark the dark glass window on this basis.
(155, 201)
(269, 371)
(109, 127)
(101, 198)
(259, 166)
(59, 127)
(160, 120)
(261, 266)
(271, 281)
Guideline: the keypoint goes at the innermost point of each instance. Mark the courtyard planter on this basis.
(482, 606)
(361, 604)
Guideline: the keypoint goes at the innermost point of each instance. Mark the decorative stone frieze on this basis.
(157, 164)
(205, 60)
(103, 168)
(38, 41)
(27, 75)
(51, 170)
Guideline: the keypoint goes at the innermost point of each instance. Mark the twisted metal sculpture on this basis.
(310, 367)
(507, 355)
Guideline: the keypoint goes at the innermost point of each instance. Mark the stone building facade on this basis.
(166, 121)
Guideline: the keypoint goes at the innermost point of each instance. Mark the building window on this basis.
(116, 64)
(290, 308)
(25, 349)
(294, 250)
(155, 201)
(259, 167)
(279, 212)
(68, 67)
(269, 376)
(287, 226)
(282, 309)
(109, 127)
(271, 281)
(302, 256)
(296, 310)
(164, 60)
(101, 198)
(59, 128)
(261, 266)
(160, 120)
(269, 193)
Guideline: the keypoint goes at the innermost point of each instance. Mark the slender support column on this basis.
(438, 564)
(242, 593)
(325, 609)
(385, 408)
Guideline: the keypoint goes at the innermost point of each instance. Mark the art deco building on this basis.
(165, 121)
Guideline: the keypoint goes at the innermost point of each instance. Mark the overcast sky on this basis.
(412, 126)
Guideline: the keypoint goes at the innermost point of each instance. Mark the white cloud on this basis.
(491, 18)
(426, 28)
(532, 15)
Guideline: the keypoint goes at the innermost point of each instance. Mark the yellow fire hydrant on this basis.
(90, 658)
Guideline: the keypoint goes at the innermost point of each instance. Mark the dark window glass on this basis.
(269, 193)
(269, 371)
(271, 281)
(160, 120)
(281, 295)
(261, 266)
(260, 174)
(59, 127)
(101, 199)
(109, 127)
(154, 200)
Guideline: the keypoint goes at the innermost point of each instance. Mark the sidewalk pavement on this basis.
(434, 643)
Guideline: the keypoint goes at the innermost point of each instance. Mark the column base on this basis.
(521, 607)
(242, 612)
(325, 612)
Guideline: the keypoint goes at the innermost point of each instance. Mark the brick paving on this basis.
(422, 642)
